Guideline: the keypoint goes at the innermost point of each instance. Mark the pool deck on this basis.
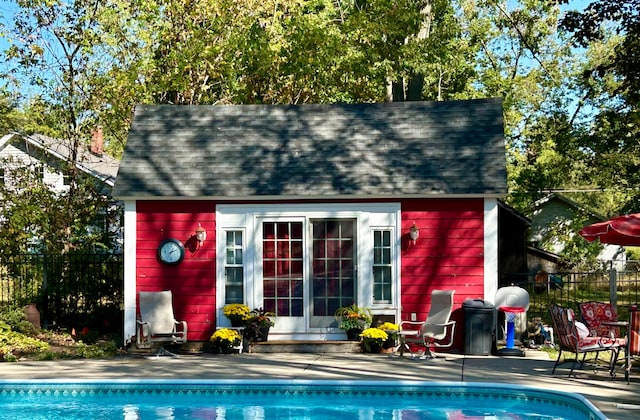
(613, 397)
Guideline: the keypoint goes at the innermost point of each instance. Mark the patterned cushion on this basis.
(593, 313)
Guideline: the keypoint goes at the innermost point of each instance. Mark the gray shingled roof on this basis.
(102, 167)
(418, 149)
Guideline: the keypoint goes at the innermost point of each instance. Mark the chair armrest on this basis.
(446, 324)
(181, 326)
(410, 323)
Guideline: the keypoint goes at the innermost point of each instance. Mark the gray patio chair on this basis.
(157, 323)
(436, 331)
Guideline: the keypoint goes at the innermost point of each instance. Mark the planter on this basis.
(371, 346)
(32, 314)
(262, 334)
(353, 334)
(390, 343)
(236, 322)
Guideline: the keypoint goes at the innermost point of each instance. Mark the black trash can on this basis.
(478, 326)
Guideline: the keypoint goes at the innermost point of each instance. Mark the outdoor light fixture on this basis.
(201, 234)
(414, 232)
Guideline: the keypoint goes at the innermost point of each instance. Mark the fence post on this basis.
(613, 288)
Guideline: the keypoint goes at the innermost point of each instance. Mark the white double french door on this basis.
(308, 270)
(302, 262)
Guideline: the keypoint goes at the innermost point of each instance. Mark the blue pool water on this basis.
(286, 399)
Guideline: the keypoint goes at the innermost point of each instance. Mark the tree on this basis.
(610, 89)
(59, 50)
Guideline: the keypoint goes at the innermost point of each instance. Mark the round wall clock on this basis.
(171, 251)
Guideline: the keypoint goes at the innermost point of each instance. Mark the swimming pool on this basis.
(285, 399)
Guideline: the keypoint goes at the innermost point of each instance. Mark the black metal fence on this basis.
(621, 288)
(71, 291)
(77, 291)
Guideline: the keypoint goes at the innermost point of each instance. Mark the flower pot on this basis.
(236, 322)
(263, 333)
(389, 343)
(33, 314)
(353, 334)
(371, 346)
(225, 350)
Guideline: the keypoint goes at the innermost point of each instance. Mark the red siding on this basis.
(193, 281)
(449, 253)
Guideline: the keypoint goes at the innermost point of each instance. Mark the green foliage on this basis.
(41, 220)
(609, 85)
(33, 343)
(353, 316)
(14, 344)
(571, 116)
(16, 320)
(95, 351)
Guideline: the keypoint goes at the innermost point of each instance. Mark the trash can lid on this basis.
(477, 304)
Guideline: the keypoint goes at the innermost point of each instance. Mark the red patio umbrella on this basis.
(621, 230)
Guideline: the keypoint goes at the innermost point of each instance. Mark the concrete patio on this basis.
(613, 397)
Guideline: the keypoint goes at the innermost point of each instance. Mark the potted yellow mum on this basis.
(372, 340)
(389, 346)
(225, 339)
(237, 313)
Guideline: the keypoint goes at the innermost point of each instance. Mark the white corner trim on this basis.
(129, 270)
(490, 249)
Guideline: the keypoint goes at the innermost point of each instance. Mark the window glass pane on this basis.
(333, 265)
(382, 258)
(386, 238)
(234, 269)
(283, 266)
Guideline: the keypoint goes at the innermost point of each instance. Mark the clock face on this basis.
(171, 251)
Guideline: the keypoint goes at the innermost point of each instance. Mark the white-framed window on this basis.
(383, 281)
(234, 267)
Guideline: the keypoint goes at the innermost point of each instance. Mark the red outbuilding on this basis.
(304, 209)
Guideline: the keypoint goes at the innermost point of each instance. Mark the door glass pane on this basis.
(333, 282)
(282, 268)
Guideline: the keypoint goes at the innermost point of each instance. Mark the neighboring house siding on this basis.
(54, 179)
(193, 281)
(449, 253)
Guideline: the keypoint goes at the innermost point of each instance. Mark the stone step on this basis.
(271, 346)
(307, 346)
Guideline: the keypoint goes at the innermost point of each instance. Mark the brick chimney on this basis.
(97, 141)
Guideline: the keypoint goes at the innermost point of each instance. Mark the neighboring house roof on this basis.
(554, 208)
(453, 148)
(567, 203)
(100, 166)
